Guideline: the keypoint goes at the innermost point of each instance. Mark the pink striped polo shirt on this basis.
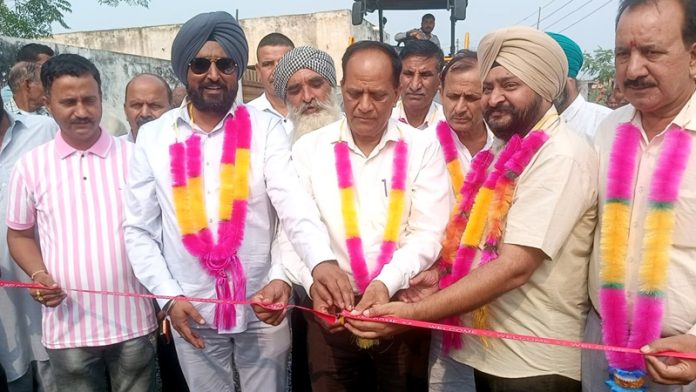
(75, 200)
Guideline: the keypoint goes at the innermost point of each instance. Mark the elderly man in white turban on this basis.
(207, 184)
(305, 78)
(521, 264)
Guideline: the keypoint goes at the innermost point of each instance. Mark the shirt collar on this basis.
(100, 148)
(184, 118)
(429, 120)
(393, 133)
(686, 118)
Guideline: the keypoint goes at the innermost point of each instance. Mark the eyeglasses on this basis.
(201, 65)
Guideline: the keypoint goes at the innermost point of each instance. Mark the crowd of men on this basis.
(513, 205)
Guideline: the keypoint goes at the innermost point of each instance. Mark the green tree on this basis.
(35, 18)
(599, 66)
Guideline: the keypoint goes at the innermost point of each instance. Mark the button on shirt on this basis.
(553, 209)
(156, 252)
(74, 198)
(263, 104)
(21, 315)
(435, 114)
(427, 199)
(680, 307)
(584, 117)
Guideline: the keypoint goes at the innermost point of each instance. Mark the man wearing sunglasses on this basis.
(201, 218)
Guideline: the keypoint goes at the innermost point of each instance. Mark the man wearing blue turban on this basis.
(209, 181)
(582, 116)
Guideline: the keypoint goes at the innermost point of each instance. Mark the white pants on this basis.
(594, 363)
(260, 356)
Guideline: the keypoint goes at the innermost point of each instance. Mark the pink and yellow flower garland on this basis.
(454, 167)
(351, 225)
(490, 206)
(627, 371)
(219, 259)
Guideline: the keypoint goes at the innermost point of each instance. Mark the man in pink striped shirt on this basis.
(69, 191)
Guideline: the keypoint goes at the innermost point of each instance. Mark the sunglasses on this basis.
(201, 65)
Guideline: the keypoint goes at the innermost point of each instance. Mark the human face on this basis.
(146, 100)
(510, 106)
(305, 88)
(461, 101)
(267, 60)
(42, 58)
(427, 25)
(419, 81)
(76, 105)
(213, 91)
(368, 93)
(654, 68)
(35, 93)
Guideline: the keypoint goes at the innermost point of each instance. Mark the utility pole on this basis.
(538, 18)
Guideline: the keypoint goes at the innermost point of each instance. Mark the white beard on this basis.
(303, 124)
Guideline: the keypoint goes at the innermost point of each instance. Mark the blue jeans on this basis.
(125, 367)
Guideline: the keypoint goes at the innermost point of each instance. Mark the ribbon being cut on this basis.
(219, 259)
(332, 319)
(627, 371)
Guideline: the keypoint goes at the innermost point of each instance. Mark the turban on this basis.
(529, 54)
(299, 58)
(572, 51)
(216, 26)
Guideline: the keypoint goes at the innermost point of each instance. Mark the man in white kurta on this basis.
(335, 361)
(154, 238)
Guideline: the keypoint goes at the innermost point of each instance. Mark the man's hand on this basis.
(668, 370)
(374, 330)
(180, 313)
(51, 295)
(420, 286)
(275, 292)
(322, 304)
(332, 286)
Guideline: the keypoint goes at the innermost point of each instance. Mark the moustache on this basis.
(502, 107)
(213, 84)
(639, 83)
(81, 121)
(144, 120)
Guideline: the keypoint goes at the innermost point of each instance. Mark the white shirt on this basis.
(263, 104)
(584, 117)
(427, 200)
(435, 114)
(156, 252)
(464, 154)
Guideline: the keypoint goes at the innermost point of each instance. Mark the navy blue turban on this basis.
(216, 26)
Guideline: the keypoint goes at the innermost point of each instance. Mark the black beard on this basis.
(522, 119)
(219, 106)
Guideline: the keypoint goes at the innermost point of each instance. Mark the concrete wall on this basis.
(115, 69)
(329, 31)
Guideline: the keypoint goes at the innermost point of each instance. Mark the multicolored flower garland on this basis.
(219, 259)
(490, 206)
(351, 225)
(627, 371)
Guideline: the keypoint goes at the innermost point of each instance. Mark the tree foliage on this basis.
(599, 66)
(35, 18)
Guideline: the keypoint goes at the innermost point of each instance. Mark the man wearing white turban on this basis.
(528, 276)
(209, 182)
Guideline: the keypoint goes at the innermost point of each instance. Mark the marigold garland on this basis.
(627, 371)
(219, 259)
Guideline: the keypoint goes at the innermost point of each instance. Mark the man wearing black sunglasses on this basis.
(180, 174)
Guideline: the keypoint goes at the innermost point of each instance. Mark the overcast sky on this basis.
(589, 22)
